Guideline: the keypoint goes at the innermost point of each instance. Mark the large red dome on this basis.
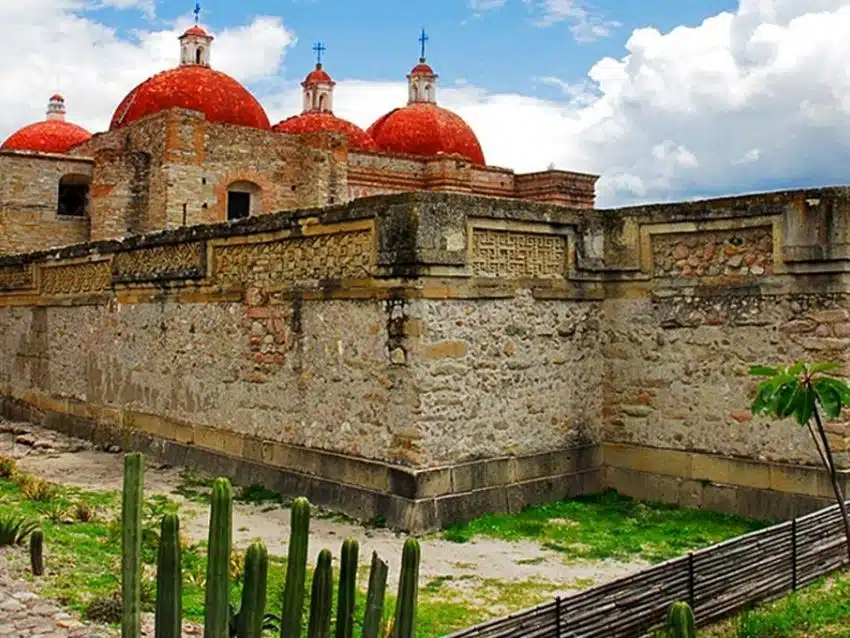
(217, 95)
(426, 129)
(317, 121)
(50, 136)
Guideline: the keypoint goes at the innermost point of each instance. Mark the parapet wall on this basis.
(429, 357)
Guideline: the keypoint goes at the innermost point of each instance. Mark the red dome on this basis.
(422, 69)
(426, 129)
(217, 95)
(51, 136)
(196, 30)
(318, 75)
(318, 121)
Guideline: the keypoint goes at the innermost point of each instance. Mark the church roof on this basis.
(423, 128)
(199, 88)
(318, 121)
(318, 75)
(47, 137)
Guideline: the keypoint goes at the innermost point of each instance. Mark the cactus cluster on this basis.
(251, 619)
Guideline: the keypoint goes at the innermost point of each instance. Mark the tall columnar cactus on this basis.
(217, 601)
(321, 598)
(131, 545)
(37, 552)
(680, 621)
(250, 620)
(169, 580)
(375, 597)
(296, 570)
(347, 589)
(408, 586)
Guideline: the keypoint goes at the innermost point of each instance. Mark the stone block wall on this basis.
(430, 357)
(29, 197)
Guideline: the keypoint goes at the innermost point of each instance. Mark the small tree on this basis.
(801, 391)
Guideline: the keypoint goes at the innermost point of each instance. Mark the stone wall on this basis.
(29, 196)
(429, 357)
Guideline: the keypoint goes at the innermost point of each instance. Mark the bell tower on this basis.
(422, 81)
(195, 43)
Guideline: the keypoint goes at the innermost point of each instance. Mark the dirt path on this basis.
(76, 463)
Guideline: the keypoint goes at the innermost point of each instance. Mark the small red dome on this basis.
(318, 75)
(56, 98)
(318, 121)
(422, 69)
(426, 129)
(196, 30)
(51, 136)
(217, 95)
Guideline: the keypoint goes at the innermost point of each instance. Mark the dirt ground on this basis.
(76, 463)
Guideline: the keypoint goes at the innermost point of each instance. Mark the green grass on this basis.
(820, 610)
(609, 525)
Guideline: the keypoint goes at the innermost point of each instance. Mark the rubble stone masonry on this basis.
(430, 357)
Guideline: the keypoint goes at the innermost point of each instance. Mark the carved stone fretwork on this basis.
(89, 277)
(513, 255)
(174, 261)
(16, 277)
(346, 255)
(744, 251)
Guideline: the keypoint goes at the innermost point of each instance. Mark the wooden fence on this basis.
(717, 581)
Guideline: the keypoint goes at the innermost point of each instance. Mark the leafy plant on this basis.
(14, 530)
(83, 512)
(8, 467)
(801, 391)
(36, 489)
(54, 511)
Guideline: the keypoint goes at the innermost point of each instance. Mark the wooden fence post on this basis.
(691, 596)
(558, 617)
(794, 554)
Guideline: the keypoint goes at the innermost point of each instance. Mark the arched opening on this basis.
(415, 93)
(199, 54)
(428, 92)
(73, 198)
(322, 102)
(243, 200)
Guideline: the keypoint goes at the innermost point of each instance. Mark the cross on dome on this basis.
(197, 11)
(319, 48)
(423, 40)
(422, 81)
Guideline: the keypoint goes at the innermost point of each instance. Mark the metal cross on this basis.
(197, 11)
(318, 49)
(423, 38)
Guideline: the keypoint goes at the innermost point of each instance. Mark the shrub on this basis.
(8, 467)
(36, 489)
(14, 530)
(82, 512)
(105, 610)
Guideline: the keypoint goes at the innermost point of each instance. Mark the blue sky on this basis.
(501, 49)
(665, 99)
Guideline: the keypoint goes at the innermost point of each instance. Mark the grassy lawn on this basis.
(819, 611)
(82, 549)
(609, 525)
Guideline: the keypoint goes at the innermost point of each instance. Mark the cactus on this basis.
(251, 613)
(169, 580)
(408, 583)
(321, 598)
(131, 545)
(375, 598)
(217, 600)
(37, 552)
(680, 621)
(296, 570)
(347, 589)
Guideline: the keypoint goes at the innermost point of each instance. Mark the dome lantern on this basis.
(422, 81)
(318, 86)
(56, 109)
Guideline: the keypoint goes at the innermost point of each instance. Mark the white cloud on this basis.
(751, 99)
(586, 24)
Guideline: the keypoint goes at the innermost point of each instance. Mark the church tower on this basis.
(195, 43)
(422, 81)
(318, 87)
(56, 109)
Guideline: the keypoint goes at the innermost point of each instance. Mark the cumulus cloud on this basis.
(750, 99)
